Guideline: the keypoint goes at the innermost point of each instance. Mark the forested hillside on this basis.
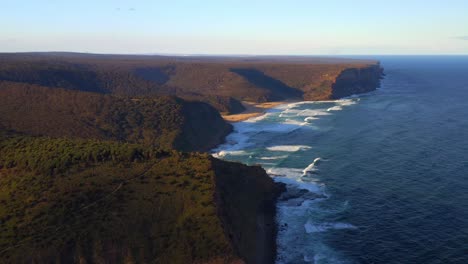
(165, 122)
(220, 81)
(89, 201)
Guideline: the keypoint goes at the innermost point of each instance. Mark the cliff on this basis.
(84, 201)
(356, 80)
(246, 198)
(219, 81)
(160, 121)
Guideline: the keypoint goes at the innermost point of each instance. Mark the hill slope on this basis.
(82, 201)
(166, 122)
(216, 80)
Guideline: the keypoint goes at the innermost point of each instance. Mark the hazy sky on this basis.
(236, 27)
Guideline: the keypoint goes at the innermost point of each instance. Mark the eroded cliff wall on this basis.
(356, 80)
(246, 198)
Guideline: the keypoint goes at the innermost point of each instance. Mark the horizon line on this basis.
(232, 54)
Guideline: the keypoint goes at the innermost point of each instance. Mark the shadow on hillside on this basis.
(72, 77)
(277, 87)
(159, 75)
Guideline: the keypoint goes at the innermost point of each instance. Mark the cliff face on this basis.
(246, 198)
(337, 81)
(202, 129)
(356, 80)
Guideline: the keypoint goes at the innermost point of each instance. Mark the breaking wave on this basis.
(300, 218)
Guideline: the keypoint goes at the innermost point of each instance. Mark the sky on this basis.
(288, 27)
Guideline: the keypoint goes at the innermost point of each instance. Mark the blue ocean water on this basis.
(386, 173)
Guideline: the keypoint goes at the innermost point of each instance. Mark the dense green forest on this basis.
(75, 200)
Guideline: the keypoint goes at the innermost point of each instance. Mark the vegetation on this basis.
(77, 200)
(165, 122)
(90, 168)
(219, 81)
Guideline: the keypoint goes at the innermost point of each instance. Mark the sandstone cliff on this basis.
(356, 80)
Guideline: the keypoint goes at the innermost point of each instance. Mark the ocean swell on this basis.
(274, 141)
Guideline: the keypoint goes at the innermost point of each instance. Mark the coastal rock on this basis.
(356, 80)
(246, 198)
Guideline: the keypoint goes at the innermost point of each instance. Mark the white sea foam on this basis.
(223, 153)
(346, 102)
(311, 227)
(274, 158)
(285, 172)
(288, 148)
(335, 108)
(312, 112)
(311, 167)
(290, 111)
(310, 118)
(294, 122)
(292, 105)
(258, 118)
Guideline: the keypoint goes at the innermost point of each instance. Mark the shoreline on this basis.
(253, 109)
(270, 223)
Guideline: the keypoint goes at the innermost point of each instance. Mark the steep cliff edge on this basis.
(356, 80)
(328, 82)
(246, 198)
(202, 129)
(87, 201)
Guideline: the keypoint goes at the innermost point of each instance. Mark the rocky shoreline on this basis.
(349, 82)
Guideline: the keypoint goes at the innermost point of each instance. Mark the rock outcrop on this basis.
(246, 198)
(356, 80)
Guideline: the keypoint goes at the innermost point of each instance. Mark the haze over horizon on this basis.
(244, 27)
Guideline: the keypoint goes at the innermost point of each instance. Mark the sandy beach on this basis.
(253, 109)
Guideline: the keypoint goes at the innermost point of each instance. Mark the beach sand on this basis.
(252, 110)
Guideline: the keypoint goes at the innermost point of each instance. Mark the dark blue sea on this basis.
(386, 172)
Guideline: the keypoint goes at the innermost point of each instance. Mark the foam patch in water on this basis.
(288, 148)
(274, 158)
(311, 167)
(323, 227)
(223, 153)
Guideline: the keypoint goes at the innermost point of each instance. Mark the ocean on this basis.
(380, 177)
